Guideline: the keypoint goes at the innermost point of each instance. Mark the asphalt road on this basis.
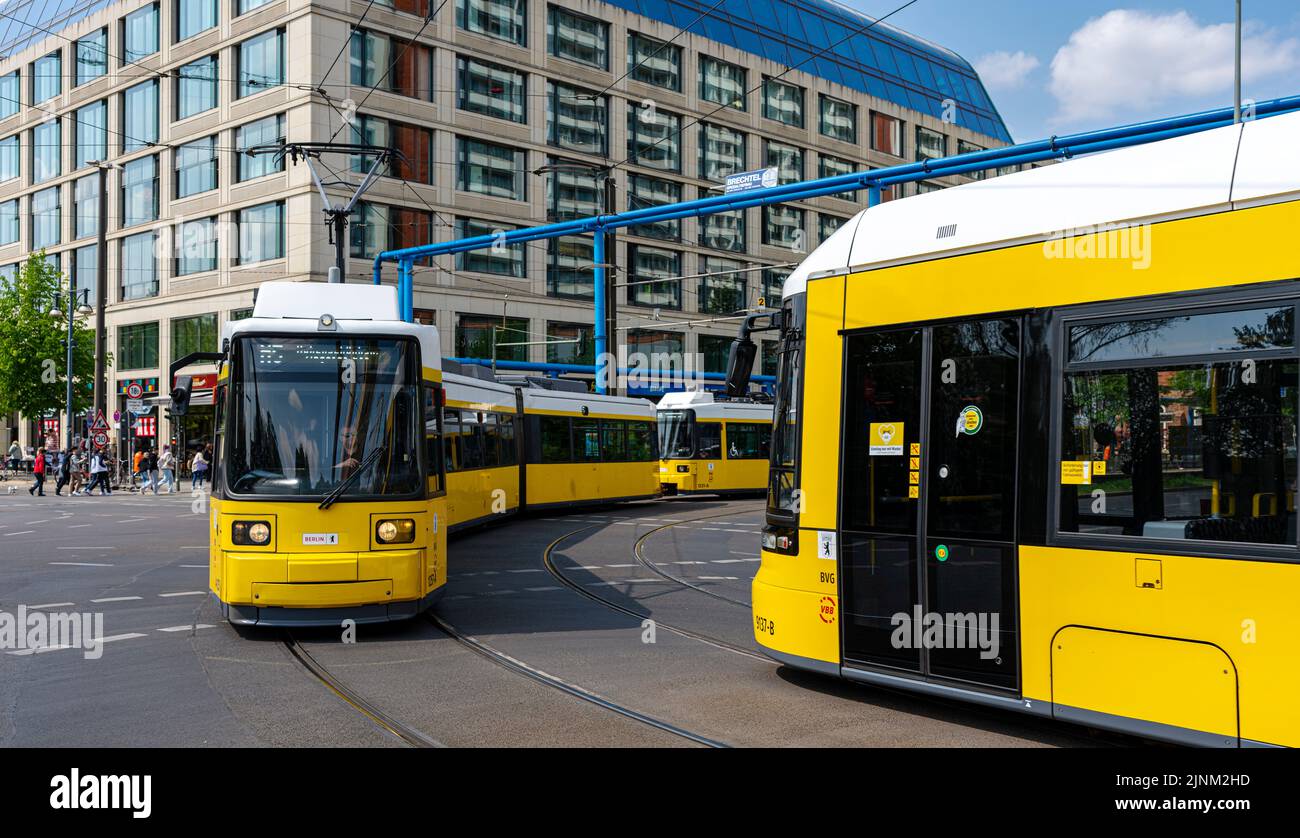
(533, 662)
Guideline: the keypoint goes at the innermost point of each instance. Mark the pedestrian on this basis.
(99, 474)
(78, 470)
(150, 466)
(198, 469)
(137, 473)
(63, 473)
(167, 466)
(38, 471)
(15, 455)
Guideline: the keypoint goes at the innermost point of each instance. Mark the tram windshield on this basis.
(306, 413)
(676, 434)
(782, 497)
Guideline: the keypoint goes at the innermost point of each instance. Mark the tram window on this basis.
(613, 435)
(1203, 451)
(641, 442)
(509, 451)
(709, 436)
(586, 440)
(555, 439)
(471, 439)
(491, 441)
(432, 439)
(1182, 336)
(451, 436)
(748, 440)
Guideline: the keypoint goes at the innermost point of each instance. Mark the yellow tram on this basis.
(1045, 458)
(327, 498)
(713, 446)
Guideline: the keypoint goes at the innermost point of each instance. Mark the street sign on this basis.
(745, 181)
(101, 439)
(100, 424)
(117, 416)
(134, 391)
(138, 407)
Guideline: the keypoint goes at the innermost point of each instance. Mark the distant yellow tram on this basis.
(1045, 458)
(713, 446)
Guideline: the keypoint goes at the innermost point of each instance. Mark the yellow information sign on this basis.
(886, 439)
(1098, 468)
(1076, 472)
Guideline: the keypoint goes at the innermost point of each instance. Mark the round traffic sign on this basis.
(101, 439)
(134, 391)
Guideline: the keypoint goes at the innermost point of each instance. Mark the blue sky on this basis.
(1058, 67)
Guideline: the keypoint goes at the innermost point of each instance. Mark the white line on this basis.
(591, 567)
(623, 582)
(51, 605)
(528, 570)
(205, 567)
(545, 588)
(88, 548)
(131, 520)
(730, 578)
(79, 526)
(20, 532)
(727, 561)
(122, 637)
(686, 562)
(741, 531)
(185, 593)
(620, 565)
(116, 599)
(186, 628)
(42, 521)
(81, 564)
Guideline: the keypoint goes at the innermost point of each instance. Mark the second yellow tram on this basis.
(713, 446)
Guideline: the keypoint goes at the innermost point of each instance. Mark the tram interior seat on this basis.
(1265, 529)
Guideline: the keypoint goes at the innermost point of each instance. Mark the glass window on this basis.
(773, 285)
(577, 38)
(722, 289)
(926, 187)
(556, 446)
(505, 20)
(722, 152)
(85, 271)
(140, 34)
(568, 267)
(245, 6)
(654, 62)
(654, 138)
(261, 233)
(482, 336)
(1007, 170)
(47, 151)
(572, 193)
(85, 206)
(370, 58)
(586, 440)
(368, 230)
(783, 102)
(137, 346)
(839, 120)
(930, 144)
(415, 144)
(9, 221)
(1182, 427)
(194, 334)
(643, 192)
(92, 56)
(139, 269)
(140, 191)
(392, 64)
(723, 83)
(642, 446)
(613, 440)
(828, 166)
(47, 77)
(10, 94)
(964, 147)
(268, 131)
(491, 169)
(11, 155)
(261, 63)
(724, 231)
(647, 265)
(714, 350)
(827, 225)
(92, 134)
(140, 116)
(196, 248)
(503, 259)
(570, 343)
(886, 134)
(491, 90)
(783, 227)
(47, 219)
(196, 167)
(575, 118)
(748, 440)
(787, 159)
(194, 16)
(196, 87)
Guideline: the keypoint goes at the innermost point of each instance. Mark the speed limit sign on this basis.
(101, 439)
(134, 391)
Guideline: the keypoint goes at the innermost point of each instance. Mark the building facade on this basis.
(505, 113)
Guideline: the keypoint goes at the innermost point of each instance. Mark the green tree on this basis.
(32, 355)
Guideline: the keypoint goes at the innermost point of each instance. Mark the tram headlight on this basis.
(255, 533)
(781, 540)
(396, 531)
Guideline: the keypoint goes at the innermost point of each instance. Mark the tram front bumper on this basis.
(314, 581)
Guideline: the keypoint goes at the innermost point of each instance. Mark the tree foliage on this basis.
(32, 354)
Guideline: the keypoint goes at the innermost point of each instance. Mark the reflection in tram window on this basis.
(748, 441)
(1197, 451)
(710, 441)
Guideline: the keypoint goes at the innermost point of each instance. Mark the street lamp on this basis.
(74, 310)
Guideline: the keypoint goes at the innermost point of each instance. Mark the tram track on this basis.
(404, 732)
(638, 553)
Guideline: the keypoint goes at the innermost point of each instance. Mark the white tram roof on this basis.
(536, 399)
(479, 393)
(707, 407)
(296, 308)
(1210, 171)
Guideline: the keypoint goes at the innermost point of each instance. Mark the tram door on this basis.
(928, 504)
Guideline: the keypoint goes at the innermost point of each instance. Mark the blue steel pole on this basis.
(405, 291)
(602, 362)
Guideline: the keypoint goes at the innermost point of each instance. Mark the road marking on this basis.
(498, 593)
(20, 532)
(545, 588)
(711, 578)
(185, 593)
(591, 567)
(81, 564)
(79, 526)
(51, 605)
(528, 570)
(623, 582)
(713, 529)
(727, 561)
(740, 531)
(687, 562)
(131, 520)
(42, 521)
(88, 548)
(620, 565)
(186, 628)
(203, 566)
(116, 599)
(117, 637)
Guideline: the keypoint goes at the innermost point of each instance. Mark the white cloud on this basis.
(1129, 60)
(1005, 70)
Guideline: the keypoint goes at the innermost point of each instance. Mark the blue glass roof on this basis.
(883, 61)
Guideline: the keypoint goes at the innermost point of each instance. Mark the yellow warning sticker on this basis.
(914, 463)
(913, 492)
(914, 477)
(1076, 472)
(886, 439)
(915, 449)
(1098, 468)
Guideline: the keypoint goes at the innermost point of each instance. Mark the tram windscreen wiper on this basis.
(338, 490)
